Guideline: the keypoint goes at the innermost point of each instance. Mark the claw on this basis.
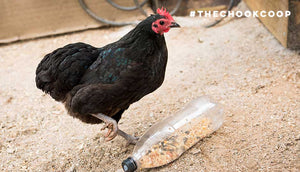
(113, 129)
(104, 127)
(112, 132)
(108, 133)
(110, 123)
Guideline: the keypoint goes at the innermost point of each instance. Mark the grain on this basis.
(173, 146)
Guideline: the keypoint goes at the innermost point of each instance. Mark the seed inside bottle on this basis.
(173, 146)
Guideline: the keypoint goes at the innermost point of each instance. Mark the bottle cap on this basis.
(129, 165)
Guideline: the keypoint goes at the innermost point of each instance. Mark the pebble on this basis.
(196, 151)
(10, 150)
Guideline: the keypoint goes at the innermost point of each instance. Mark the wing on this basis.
(62, 69)
(108, 67)
(108, 98)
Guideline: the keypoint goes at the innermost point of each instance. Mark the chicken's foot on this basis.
(113, 129)
(110, 123)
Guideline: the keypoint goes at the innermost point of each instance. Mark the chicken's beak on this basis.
(174, 24)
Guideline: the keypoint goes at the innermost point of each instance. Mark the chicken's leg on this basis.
(113, 129)
(130, 139)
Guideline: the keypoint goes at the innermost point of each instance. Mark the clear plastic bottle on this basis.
(165, 141)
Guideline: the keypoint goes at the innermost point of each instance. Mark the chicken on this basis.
(99, 84)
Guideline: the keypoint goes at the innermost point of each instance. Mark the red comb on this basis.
(164, 12)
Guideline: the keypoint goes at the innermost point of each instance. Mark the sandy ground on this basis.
(239, 64)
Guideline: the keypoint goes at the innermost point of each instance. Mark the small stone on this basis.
(71, 169)
(196, 151)
(10, 151)
(151, 115)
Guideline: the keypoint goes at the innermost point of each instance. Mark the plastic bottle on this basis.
(165, 141)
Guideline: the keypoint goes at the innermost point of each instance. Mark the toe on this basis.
(108, 133)
(104, 127)
(112, 132)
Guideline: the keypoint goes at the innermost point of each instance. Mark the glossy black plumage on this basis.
(105, 80)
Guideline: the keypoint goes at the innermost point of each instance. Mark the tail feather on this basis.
(62, 69)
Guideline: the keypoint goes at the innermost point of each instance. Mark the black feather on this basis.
(62, 69)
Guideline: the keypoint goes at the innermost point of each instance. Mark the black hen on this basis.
(99, 84)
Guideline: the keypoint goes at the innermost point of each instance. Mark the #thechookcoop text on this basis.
(240, 13)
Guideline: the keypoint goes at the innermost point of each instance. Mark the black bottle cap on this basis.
(129, 165)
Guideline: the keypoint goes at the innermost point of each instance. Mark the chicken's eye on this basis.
(161, 22)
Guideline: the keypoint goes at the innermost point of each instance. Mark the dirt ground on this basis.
(238, 63)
